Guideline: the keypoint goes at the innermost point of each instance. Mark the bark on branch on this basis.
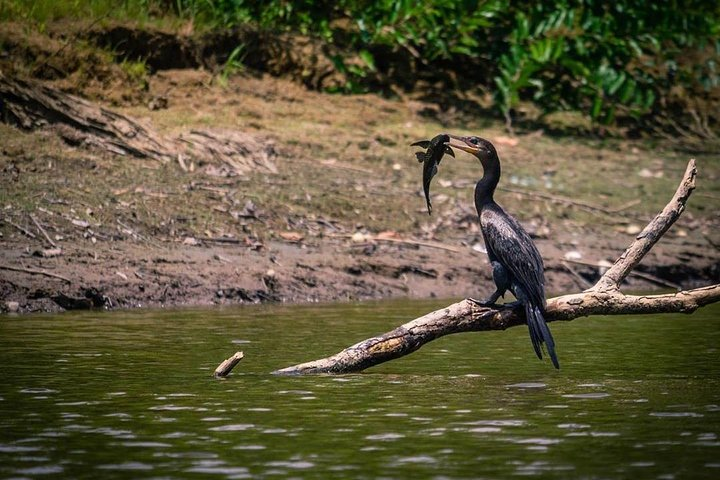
(604, 298)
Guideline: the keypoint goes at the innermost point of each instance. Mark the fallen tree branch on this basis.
(604, 298)
(466, 316)
(35, 272)
(24, 230)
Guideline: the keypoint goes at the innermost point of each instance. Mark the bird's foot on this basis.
(491, 303)
(483, 303)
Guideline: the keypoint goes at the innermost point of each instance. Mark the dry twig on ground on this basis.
(32, 271)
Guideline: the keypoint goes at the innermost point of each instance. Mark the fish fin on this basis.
(421, 156)
(421, 144)
(449, 151)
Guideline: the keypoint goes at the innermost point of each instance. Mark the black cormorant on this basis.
(514, 258)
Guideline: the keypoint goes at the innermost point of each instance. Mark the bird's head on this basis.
(481, 148)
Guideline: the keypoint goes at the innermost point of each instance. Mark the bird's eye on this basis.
(474, 141)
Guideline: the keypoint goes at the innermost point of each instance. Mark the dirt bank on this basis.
(340, 216)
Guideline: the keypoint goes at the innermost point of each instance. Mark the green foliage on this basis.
(605, 59)
(599, 57)
(430, 30)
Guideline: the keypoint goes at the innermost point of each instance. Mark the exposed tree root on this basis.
(31, 105)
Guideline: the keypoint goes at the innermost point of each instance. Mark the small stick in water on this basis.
(224, 369)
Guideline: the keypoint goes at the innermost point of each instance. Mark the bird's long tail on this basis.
(540, 333)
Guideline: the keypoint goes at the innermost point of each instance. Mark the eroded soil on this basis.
(342, 219)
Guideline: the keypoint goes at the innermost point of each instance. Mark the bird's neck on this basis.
(485, 188)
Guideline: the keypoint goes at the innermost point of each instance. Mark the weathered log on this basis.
(604, 298)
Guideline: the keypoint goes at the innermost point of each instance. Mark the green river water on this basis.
(130, 395)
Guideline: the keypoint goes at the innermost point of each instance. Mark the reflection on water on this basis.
(130, 395)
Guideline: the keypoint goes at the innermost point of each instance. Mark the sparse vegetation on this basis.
(233, 65)
(136, 71)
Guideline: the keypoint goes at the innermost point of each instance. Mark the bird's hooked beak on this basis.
(463, 143)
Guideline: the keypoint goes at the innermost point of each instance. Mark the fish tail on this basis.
(540, 333)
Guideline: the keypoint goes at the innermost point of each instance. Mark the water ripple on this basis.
(385, 437)
(537, 441)
(676, 414)
(527, 385)
(293, 464)
(111, 432)
(485, 430)
(220, 470)
(274, 430)
(126, 466)
(539, 467)
(38, 390)
(17, 449)
(169, 407)
(415, 459)
(587, 395)
(497, 423)
(146, 444)
(40, 470)
(27, 458)
(235, 427)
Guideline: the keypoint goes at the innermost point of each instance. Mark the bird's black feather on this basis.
(511, 245)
